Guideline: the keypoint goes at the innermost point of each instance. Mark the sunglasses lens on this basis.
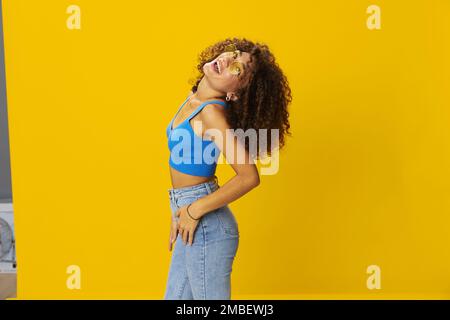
(230, 47)
(235, 68)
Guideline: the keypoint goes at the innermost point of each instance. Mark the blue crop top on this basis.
(190, 153)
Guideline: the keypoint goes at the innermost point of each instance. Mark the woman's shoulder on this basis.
(214, 114)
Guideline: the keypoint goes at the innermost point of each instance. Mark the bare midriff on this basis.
(180, 179)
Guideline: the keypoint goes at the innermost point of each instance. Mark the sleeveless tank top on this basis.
(190, 153)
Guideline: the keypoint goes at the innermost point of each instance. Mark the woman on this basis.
(239, 86)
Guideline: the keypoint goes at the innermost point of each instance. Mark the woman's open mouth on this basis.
(216, 67)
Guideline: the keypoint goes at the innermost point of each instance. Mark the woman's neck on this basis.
(205, 92)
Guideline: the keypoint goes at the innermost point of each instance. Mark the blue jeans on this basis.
(202, 271)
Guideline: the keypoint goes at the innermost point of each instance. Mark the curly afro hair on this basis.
(263, 102)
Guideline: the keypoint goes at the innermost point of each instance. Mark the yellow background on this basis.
(364, 179)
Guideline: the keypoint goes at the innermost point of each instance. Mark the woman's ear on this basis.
(232, 96)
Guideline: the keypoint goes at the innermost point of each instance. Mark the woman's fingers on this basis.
(173, 234)
(186, 230)
(181, 231)
(185, 235)
(191, 238)
(174, 231)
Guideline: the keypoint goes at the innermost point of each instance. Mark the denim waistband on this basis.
(207, 187)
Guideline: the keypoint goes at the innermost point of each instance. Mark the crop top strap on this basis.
(200, 107)
(179, 108)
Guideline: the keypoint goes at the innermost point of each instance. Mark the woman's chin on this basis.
(209, 74)
(208, 69)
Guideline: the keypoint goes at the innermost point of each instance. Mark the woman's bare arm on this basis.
(246, 177)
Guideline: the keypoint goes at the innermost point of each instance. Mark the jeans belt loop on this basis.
(208, 187)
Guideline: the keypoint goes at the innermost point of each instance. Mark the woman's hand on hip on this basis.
(186, 225)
